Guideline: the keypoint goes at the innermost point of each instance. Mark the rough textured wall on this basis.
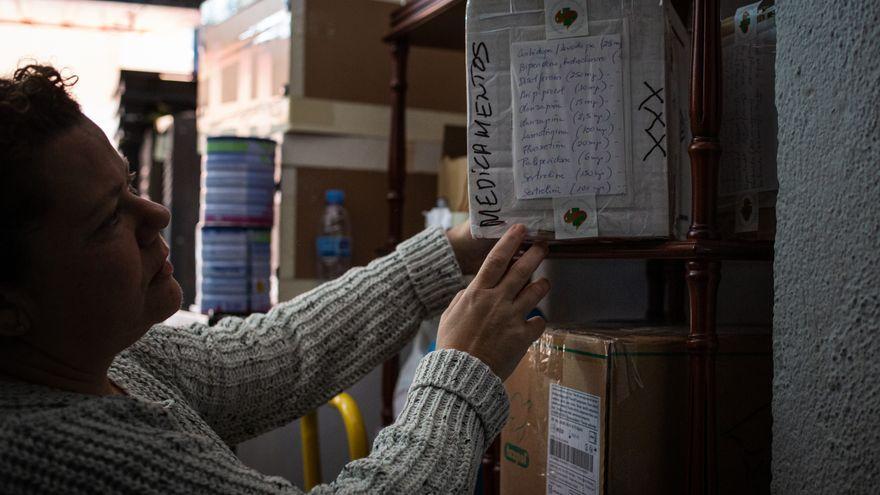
(826, 402)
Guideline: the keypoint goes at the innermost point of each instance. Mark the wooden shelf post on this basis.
(397, 142)
(703, 275)
(396, 178)
(702, 281)
(705, 116)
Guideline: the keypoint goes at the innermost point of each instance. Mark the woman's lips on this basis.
(164, 272)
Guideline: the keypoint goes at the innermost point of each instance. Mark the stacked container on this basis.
(233, 238)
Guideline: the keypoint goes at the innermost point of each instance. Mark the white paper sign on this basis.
(568, 124)
(565, 18)
(748, 127)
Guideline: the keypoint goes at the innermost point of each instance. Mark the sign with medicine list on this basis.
(568, 121)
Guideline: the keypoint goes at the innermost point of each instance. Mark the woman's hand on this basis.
(469, 252)
(488, 319)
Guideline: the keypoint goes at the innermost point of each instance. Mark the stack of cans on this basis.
(233, 238)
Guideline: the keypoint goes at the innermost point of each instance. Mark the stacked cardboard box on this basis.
(610, 407)
(652, 197)
(747, 172)
(625, 54)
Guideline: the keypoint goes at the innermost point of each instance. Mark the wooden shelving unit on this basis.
(428, 23)
(440, 24)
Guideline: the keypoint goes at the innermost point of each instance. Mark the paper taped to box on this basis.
(568, 117)
(747, 179)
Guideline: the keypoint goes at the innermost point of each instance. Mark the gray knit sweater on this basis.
(193, 391)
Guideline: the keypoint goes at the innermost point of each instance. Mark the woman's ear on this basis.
(14, 319)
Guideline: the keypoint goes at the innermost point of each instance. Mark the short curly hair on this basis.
(35, 107)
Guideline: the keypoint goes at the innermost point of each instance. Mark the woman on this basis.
(96, 397)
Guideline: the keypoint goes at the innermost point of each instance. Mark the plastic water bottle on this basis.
(334, 241)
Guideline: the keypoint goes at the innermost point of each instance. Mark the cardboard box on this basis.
(611, 406)
(517, 155)
(747, 182)
(452, 182)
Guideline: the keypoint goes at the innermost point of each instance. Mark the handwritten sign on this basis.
(748, 128)
(568, 117)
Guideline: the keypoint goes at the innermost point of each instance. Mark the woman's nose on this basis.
(153, 218)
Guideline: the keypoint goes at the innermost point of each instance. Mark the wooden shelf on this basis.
(429, 23)
(441, 24)
(663, 249)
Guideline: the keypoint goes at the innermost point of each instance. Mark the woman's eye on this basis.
(112, 221)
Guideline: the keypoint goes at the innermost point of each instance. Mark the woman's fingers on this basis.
(499, 258)
(536, 326)
(531, 295)
(521, 272)
(456, 298)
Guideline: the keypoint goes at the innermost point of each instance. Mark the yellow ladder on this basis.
(354, 430)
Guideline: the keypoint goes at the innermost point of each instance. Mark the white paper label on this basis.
(747, 212)
(565, 18)
(575, 217)
(746, 23)
(568, 125)
(573, 457)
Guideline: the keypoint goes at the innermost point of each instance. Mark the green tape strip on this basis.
(579, 353)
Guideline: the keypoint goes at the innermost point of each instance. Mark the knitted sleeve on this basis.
(455, 408)
(247, 376)
(119, 445)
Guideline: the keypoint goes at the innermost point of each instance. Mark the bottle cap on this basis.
(334, 196)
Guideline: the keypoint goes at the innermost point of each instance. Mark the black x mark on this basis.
(657, 116)
(657, 145)
(655, 93)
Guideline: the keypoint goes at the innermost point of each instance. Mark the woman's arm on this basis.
(121, 445)
(454, 409)
(247, 376)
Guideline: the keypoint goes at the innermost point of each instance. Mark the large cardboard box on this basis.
(610, 405)
(587, 159)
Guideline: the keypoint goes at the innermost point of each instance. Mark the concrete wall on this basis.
(826, 403)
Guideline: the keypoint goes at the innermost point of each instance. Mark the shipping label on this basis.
(573, 456)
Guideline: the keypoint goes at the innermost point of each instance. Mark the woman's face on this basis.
(97, 275)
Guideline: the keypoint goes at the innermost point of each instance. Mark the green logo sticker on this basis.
(566, 17)
(575, 216)
(516, 455)
(744, 23)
